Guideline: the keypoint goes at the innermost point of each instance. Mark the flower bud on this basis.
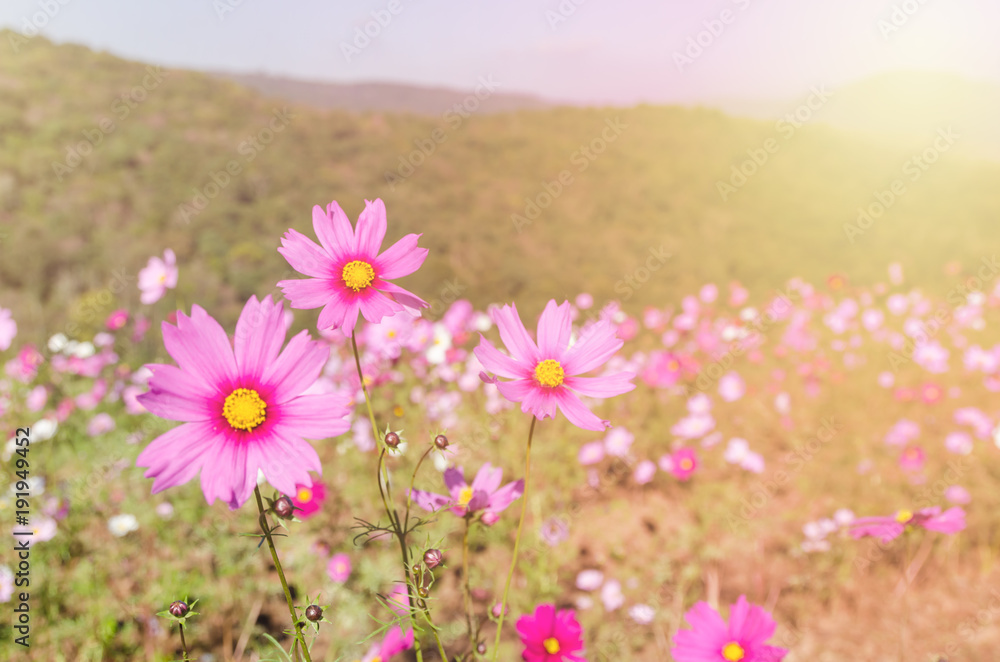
(178, 609)
(433, 558)
(392, 440)
(284, 508)
(481, 648)
(314, 613)
(441, 442)
(423, 592)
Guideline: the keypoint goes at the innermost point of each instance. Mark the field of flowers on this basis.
(808, 473)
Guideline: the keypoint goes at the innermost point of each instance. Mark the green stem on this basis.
(184, 644)
(409, 495)
(517, 541)
(281, 574)
(466, 588)
(383, 474)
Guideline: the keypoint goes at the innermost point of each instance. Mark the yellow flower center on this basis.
(397, 411)
(672, 366)
(732, 651)
(465, 496)
(686, 464)
(305, 495)
(377, 658)
(358, 275)
(549, 373)
(551, 645)
(904, 516)
(244, 409)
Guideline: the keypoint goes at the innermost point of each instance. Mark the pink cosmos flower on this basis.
(243, 407)
(912, 459)
(393, 644)
(100, 424)
(551, 636)
(644, 472)
(116, 319)
(545, 376)
(731, 387)
(957, 494)
(347, 272)
(483, 495)
(308, 498)
(591, 453)
(339, 568)
(8, 329)
(711, 639)
(891, 527)
(684, 462)
(157, 277)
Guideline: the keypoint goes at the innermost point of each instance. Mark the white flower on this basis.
(589, 580)
(83, 350)
(611, 595)
(43, 429)
(57, 342)
(642, 614)
(122, 525)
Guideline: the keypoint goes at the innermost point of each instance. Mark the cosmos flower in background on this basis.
(242, 406)
(8, 329)
(551, 636)
(683, 463)
(743, 638)
(308, 499)
(347, 273)
(484, 494)
(42, 529)
(122, 525)
(887, 528)
(158, 276)
(394, 643)
(339, 568)
(546, 376)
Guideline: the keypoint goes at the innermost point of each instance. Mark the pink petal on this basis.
(334, 230)
(602, 387)
(260, 332)
(375, 305)
(200, 346)
(401, 259)
(178, 396)
(487, 479)
(554, 328)
(371, 228)
(305, 256)
(318, 416)
(307, 293)
(296, 368)
(404, 297)
(176, 456)
(592, 349)
(577, 413)
(515, 336)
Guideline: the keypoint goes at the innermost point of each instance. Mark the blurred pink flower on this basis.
(551, 636)
(158, 276)
(887, 528)
(308, 499)
(8, 329)
(644, 472)
(684, 463)
(957, 494)
(100, 424)
(339, 568)
(731, 387)
(912, 459)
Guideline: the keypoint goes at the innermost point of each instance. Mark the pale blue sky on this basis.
(618, 51)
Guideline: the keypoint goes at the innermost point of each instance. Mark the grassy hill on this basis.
(68, 231)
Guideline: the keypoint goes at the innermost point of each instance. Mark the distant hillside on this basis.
(390, 97)
(905, 108)
(104, 161)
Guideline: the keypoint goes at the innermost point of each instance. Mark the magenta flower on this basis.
(393, 644)
(8, 329)
(308, 498)
(339, 568)
(551, 636)
(483, 495)
(684, 462)
(243, 407)
(887, 528)
(157, 277)
(711, 639)
(545, 376)
(347, 272)
(116, 320)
